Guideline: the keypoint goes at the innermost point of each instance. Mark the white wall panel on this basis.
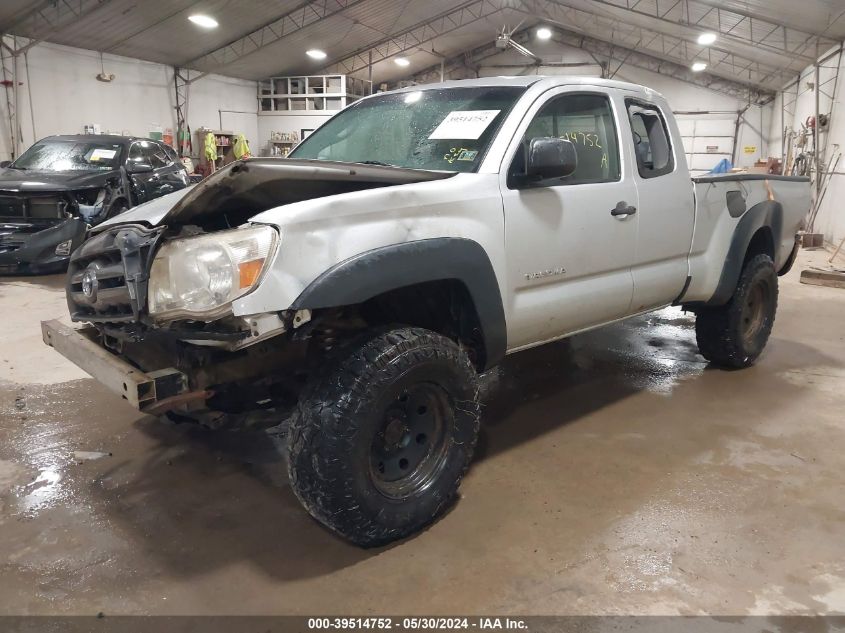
(66, 96)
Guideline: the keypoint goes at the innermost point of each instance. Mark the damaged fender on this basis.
(380, 270)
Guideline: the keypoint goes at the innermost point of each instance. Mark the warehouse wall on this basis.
(66, 96)
(681, 95)
(801, 104)
(279, 122)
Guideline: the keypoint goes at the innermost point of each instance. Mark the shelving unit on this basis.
(281, 143)
(310, 94)
(225, 142)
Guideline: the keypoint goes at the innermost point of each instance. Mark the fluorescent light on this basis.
(697, 67)
(413, 97)
(315, 53)
(706, 39)
(401, 61)
(205, 21)
(544, 33)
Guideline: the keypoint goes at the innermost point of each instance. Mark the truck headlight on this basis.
(199, 277)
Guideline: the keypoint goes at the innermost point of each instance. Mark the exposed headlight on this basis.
(199, 277)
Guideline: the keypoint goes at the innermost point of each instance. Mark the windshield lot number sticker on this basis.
(103, 154)
(463, 124)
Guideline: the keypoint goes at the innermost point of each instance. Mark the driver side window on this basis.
(586, 121)
(148, 152)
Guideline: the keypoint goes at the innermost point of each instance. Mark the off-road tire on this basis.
(727, 335)
(339, 424)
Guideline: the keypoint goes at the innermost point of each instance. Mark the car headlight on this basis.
(199, 277)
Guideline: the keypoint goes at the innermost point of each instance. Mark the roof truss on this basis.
(302, 16)
(737, 26)
(607, 56)
(49, 17)
(415, 37)
(657, 43)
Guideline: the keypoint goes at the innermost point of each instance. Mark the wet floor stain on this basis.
(617, 473)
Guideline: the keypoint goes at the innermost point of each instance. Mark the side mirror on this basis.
(138, 168)
(550, 157)
(5, 163)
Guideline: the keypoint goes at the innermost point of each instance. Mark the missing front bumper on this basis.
(150, 392)
(29, 249)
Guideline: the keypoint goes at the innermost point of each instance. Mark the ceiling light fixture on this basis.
(544, 33)
(205, 21)
(402, 61)
(706, 39)
(316, 53)
(697, 67)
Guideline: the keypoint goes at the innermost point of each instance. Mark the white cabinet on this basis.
(314, 93)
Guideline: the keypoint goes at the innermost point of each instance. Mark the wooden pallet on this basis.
(829, 278)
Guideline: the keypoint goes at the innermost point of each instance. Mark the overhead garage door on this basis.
(708, 138)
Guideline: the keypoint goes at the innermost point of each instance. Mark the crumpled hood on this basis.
(30, 181)
(232, 195)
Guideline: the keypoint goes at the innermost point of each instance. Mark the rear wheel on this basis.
(735, 334)
(381, 440)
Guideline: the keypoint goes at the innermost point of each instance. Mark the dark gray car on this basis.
(62, 185)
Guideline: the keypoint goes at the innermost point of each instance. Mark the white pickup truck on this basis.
(408, 244)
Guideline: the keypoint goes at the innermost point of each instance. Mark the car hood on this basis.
(30, 181)
(234, 194)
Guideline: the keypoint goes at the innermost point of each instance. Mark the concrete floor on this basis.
(617, 473)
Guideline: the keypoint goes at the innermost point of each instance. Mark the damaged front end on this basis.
(158, 287)
(159, 306)
(39, 230)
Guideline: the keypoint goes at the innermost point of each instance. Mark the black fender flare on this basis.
(768, 213)
(380, 270)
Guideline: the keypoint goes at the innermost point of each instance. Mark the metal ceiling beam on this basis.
(146, 27)
(302, 16)
(421, 33)
(605, 55)
(181, 87)
(763, 33)
(631, 57)
(48, 18)
(9, 67)
(721, 62)
(468, 61)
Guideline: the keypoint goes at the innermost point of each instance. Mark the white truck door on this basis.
(666, 211)
(569, 242)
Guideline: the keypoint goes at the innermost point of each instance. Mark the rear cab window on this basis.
(652, 144)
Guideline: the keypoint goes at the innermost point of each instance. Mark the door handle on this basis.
(623, 209)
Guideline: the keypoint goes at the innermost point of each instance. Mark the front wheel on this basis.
(380, 441)
(734, 335)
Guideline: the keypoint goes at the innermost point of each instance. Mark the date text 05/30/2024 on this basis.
(417, 623)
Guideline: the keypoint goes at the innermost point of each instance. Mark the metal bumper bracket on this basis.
(144, 391)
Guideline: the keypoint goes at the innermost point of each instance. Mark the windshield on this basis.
(52, 155)
(445, 129)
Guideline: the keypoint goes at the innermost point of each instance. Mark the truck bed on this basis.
(728, 207)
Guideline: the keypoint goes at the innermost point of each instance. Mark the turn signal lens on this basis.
(249, 272)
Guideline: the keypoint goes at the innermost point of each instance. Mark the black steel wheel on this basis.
(734, 335)
(380, 441)
(410, 449)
